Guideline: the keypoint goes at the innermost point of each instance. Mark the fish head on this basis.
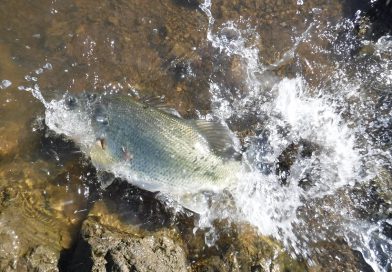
(83, 119)
(71, 116)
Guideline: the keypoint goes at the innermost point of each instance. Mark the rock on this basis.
(9, 248)
(330, 247)
(42, 259)
(38, 219)
(239, 247)
(107, 243)
(147, 254)
(338, 256)
(382, 185)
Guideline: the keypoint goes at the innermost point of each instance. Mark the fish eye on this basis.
(71, 102)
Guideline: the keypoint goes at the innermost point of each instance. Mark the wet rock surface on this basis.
(241, 248)
(108, 244)
(42, 259)
(35, 223)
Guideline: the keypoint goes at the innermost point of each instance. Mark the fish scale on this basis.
(166, 151)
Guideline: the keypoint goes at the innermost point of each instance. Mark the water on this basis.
(336, 116)
(309, 100)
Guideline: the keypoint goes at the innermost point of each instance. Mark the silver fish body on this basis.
(156, 150)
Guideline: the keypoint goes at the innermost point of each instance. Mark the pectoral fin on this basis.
(219, 137)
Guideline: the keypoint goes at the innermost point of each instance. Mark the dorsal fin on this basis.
(152, 100)
(158, 102)
(219, 138)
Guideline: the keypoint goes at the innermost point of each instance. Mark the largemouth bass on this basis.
(145, 145)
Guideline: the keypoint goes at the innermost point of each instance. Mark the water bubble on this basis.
(5, 84)
(48, 66)
(39, 71)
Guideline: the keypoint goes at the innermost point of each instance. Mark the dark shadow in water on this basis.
(192, 4)
(77, 258)
(139, 207)
(362, 264)
(350, 7)
(378, 14)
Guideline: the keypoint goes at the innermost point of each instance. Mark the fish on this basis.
(148, 145)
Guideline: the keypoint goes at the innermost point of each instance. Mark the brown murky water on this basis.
(46, 186)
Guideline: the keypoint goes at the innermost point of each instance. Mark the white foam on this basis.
(75, 124)
(290, 112)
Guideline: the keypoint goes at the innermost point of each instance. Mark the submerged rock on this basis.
(240, 248)
(107, 243)
(37, 218)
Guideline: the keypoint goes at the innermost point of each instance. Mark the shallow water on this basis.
(308, 98)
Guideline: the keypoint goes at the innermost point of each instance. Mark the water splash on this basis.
(5, 84)
(335, 137)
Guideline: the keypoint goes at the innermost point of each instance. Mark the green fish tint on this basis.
(157, 150)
